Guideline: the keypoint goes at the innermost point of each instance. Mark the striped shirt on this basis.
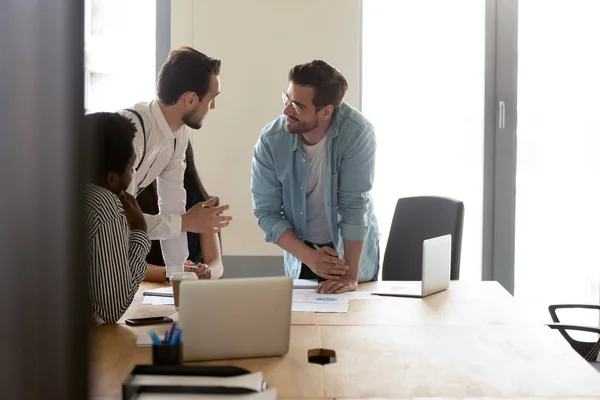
(116, 256)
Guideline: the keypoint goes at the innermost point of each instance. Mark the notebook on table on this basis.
(155, 382)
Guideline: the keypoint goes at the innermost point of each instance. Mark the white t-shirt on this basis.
(317, 227)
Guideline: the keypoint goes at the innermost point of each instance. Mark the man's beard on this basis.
(299, 128)
(194, 124)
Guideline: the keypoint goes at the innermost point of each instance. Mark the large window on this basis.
(120, 53)
(423, 90)
(558, 168)
(495, 100)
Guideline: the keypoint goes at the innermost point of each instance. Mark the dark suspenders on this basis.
(137, 114)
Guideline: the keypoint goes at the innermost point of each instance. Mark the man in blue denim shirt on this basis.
(312, 174)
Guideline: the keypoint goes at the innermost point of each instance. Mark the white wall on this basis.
(258, 42)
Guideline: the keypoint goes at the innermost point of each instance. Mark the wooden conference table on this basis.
(472, 341)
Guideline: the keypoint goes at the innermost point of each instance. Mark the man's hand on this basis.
(342, 285)
(326, 264)
(205, 218)
(202, 271)
(133, 213)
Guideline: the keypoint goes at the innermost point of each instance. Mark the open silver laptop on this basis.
(436, 271)
(235, 318)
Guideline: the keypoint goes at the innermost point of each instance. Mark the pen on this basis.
(316, 247)
(175, 338)
(169, 333)
(154, 337)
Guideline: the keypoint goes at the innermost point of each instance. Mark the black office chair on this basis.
(417, 219)
(587, 350)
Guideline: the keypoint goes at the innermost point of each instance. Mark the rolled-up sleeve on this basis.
(356, 175)
(267, 193)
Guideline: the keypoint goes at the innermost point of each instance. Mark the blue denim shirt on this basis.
(279, 176)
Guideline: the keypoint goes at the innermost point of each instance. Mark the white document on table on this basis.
(307, 300)
(305, 284)
(310, 296)
(320, 307)
(159, 301)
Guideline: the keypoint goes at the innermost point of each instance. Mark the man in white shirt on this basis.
(188, 83)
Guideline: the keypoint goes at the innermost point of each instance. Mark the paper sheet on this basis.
(305, 284)
(163, 292)
(157, 300)
(320, 307)
(310, 296)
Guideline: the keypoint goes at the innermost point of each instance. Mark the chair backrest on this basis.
(417, 219)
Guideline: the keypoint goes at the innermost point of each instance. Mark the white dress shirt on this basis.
(164, 161)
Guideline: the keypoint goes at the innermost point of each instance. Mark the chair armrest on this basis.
(582, 328)
(588, 350)
(554, 307)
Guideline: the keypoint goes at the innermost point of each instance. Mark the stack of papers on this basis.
(253, 381)
(269, 394)
(162, 292)
(160, 296)
(186, 384)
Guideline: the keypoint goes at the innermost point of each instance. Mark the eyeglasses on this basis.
(297, 107)
(286, 102)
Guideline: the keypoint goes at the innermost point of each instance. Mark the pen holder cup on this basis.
(167, 355)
